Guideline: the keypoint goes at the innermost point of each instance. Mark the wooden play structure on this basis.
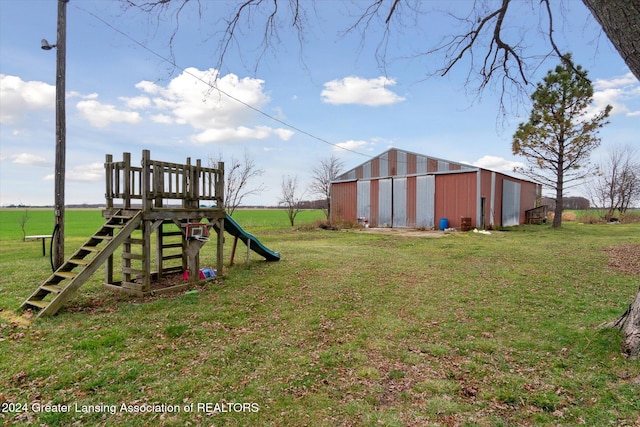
(181, 205)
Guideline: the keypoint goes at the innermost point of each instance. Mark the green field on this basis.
(350, 328)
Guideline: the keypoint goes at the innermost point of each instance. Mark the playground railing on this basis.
(155, 182)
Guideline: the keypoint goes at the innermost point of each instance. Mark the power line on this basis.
(214, 87)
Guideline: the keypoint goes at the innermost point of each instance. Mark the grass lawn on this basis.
(349, 328)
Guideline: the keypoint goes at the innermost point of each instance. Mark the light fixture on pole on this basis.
(46, 45)
(61, 52)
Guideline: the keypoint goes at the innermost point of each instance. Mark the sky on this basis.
(129, 89)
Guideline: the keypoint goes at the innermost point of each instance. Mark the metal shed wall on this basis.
(385, 194)
(401, 162)
(384, 164)
(366, 170)
(343, 200)
(421, 164)
(455, 197)
(399, 209)
(363, 199)
(375, 202)
(411, 201)
(411, 164)
(486, 193)
(510, 203)
(425, 201)
(393, 162)
(530, 197)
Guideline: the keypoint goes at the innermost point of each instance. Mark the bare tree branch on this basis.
(238, 175)
(485, 41)
(321, 177)
(290, 199)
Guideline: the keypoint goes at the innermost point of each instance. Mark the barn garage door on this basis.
(425, 193)
(384, 202)
(364, 199)
(510, 203)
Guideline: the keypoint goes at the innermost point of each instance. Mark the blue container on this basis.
(444, 223)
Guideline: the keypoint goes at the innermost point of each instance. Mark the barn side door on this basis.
(425, 204)
(364, 200)
(510, 203)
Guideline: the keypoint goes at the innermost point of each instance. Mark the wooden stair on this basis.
(58, 288)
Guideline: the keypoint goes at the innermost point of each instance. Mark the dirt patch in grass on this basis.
(110, 300)
(624, 258)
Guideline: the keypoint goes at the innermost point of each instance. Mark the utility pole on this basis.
(61, 129)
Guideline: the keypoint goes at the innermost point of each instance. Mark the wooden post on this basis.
(146, 181)
(126, 190)
(248, 250)
(219, 186)
(109, 194)
(159, 248)
(219, 196)
(186, 185)
(146, 255)
(233, 250)
(158, 185)
(61, 53)
(108, 169)
(195, 184)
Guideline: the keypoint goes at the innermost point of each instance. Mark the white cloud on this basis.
(93, 172)
(239, 133)
(102, 115)
(137, 102)
(622, 93)
(626, 80)
(356, 90)
(148, 87)
(196, 99)
(230, 134)
(162, 118)
(495, 163)
(351, 145)
(30, 159)
(19, 97)
(284, 134)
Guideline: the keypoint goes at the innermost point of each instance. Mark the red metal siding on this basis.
(432, 165)
(456, 197)
(344, 201)
(411, 202)
(485, 191)
(411, 163)
(528, 198)
(375, 167)
(393, 162)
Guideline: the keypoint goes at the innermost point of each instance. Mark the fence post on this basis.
(146, 180)
(219, 186)
(126, 170)
(108, 170)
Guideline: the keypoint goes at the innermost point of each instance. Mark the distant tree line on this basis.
(573, 203)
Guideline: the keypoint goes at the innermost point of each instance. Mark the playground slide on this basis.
(233, 228)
